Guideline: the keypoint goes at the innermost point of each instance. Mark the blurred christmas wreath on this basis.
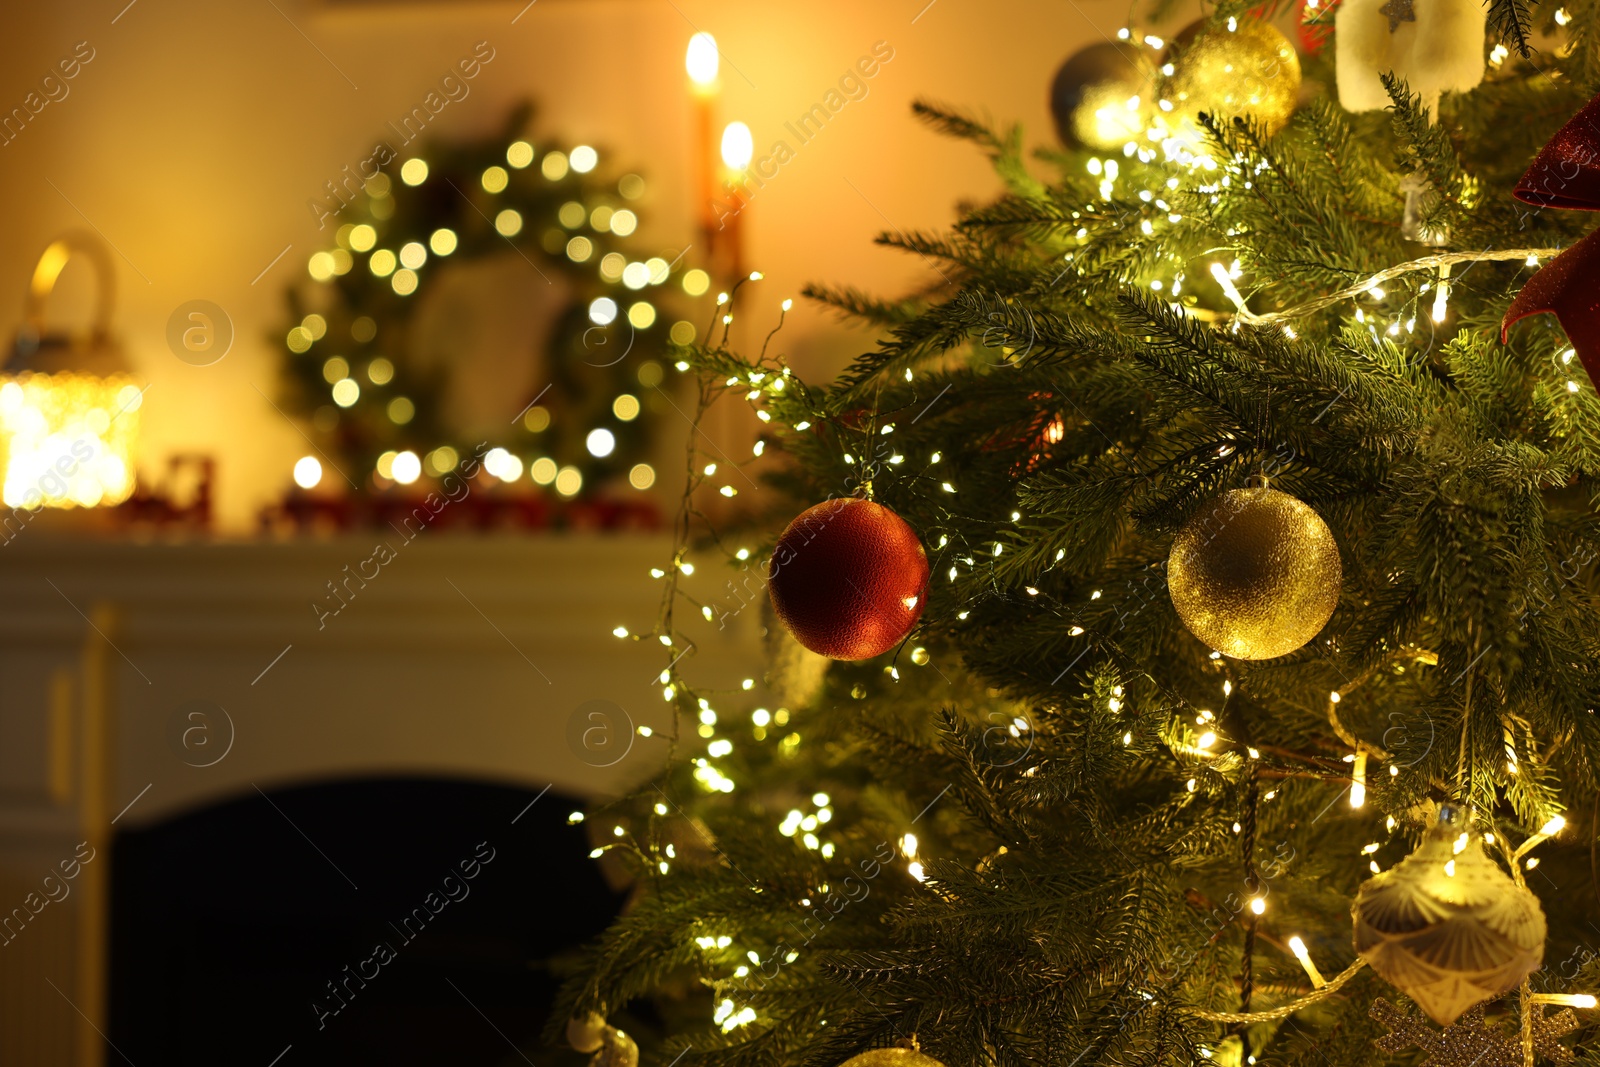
(483, 294)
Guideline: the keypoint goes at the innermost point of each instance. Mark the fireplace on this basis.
(395, 921)
(212, 808)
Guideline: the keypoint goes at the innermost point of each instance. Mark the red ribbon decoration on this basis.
(1566, 175)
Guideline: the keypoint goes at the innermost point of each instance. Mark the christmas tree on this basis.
(1246, 696)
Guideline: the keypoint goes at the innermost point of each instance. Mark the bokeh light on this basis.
(307, 472)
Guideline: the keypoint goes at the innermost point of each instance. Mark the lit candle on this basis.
(702, 61)
(738, 148)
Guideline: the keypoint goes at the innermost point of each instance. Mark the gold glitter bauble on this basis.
(1251, 71)
(1447, 927)
(892, 1057)
(617, 1049)
(1103, 95)
(1255, 574)
(586, 1033)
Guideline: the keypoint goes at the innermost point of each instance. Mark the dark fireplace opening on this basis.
(394, 921)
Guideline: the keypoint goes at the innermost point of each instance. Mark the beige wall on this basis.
(195, 137)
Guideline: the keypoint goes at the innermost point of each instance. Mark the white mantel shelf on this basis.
(463, 656)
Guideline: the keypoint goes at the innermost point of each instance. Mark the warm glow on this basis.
(569, 481)
(67, 440)
(520, 154)
(702, 60)
(406, 467)
(738, 146)
(508, 223)
(643, 476)
(600, 443)
(603, 311)
(307, 472)
(1568, 1000)
(625, 407)
(441, 460)
(1554, 826)
(554, 166)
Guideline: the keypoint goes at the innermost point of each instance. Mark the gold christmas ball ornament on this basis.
(1446, 926)
(617, 1049)
(1240, 67)
(586, 1033)
(1103, 96)
(1255, 574)
(899, 1056)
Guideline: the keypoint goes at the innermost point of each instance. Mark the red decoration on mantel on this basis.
(1566, 175)
(849, 579)
(410, 512)
(183, 499)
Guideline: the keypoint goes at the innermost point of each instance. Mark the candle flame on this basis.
(738, 146)
(702, 59)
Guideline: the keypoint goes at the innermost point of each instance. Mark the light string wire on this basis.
(1443, 259)
(1283, 1011)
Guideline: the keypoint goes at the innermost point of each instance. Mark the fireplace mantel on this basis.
(145, 680)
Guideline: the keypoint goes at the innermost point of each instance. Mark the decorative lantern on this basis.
(69, 409)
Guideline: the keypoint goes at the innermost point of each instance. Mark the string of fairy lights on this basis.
(1203, 742)
(1176, 162)
(1186, 155)
(405, 260)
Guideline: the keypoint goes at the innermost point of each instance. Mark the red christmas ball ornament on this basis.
(848, 579)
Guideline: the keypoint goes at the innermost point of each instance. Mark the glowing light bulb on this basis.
(407, 467)
(307, 472)
(1298, 947)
